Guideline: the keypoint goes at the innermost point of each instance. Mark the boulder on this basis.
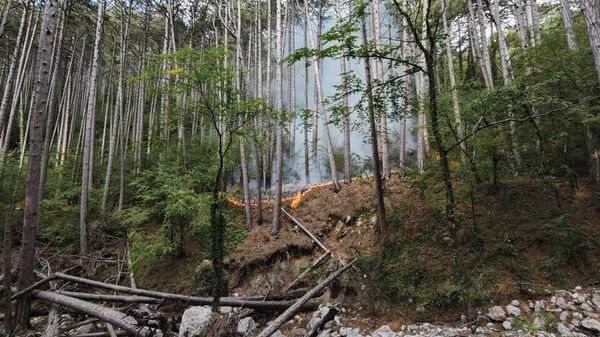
(246, 326)
(591, 324)
(195, 321)
(496, 313)
(384, 331)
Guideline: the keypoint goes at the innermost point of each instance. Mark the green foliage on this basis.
(147, 248)
(449, 296)
(568, 242)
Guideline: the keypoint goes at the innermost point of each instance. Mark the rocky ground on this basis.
(574, 313)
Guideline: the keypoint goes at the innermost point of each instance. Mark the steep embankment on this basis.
(517, 241)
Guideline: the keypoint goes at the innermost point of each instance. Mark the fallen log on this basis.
(328, 317)
(111, 298)
(291, 311)
(312, 236)
(101, 334)
(194, 300)
(308, 270)
(107, 315)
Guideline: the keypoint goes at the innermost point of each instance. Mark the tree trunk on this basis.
(10, 78)
(460, 131)
(565, 10)
(279, 121)
(88, 140)
(40, 98)
(374, 147)
(118, 109)
(591, 14)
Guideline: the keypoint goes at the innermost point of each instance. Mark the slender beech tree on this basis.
(88, 133)
(278, 120)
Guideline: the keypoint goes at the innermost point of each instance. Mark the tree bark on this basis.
(40, 97)
(374, 147)
(278, 127)
(88, 139)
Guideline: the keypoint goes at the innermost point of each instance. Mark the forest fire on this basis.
(294, 200)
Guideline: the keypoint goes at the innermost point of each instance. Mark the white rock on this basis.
(586, 307)
(384, 331)
(350, 332)
(313, 322)
(578, 288)
(490, 325)
(507, 325)
(324, 333)
(562, 303)
(514, 303)
(539, 322)
(225, 310)
(324, 311)
(513, 310)
(576, 322)
(246, 326)
(577, 315)
(195, 321)
(496, 313)
(596, 300)
(591, 324)
(562, 329)
(564, 315)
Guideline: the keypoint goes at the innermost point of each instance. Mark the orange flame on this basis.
(294, 200)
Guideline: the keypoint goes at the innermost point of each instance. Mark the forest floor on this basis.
(522, 239)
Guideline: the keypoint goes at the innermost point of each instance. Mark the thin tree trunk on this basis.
(345, 111)
(278, 127)
(88, 135)
(117, 120)
(374, 147)
(460, 131)
(10, 78)
(565, 10)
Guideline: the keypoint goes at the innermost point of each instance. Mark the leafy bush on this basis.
(449, 296)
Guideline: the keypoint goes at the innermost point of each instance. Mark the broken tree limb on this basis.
(195, 300)
(53, 323)
(291, 311)
(312, 236)
(308, 270)
(33, 286)
(101, 334)
(328, 317)
(107, 315)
